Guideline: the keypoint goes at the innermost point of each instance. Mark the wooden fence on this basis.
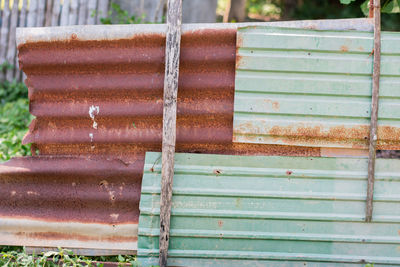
(41, 13)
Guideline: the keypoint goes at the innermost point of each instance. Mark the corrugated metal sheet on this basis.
(264, 211)
(313, 88)
(96, 92)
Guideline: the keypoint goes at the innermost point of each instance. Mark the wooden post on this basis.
(4, 36)
(64, 13)
(56, 13)
(11, 49)
(172, 52)
(73, 12)
(371, 8)
(82, 12)
(49, 9)
(91, 12)
(41, 13)
(32, 13)
(374, 110)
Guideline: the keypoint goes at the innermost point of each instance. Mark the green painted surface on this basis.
(313, 88)
(280, 211)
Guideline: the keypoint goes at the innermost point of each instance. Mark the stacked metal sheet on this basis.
(307, 87)
(272, 211)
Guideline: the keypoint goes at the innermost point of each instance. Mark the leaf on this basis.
(392, 6)
(365, 7)
(120, 258)
(346, 2)
(49, 254)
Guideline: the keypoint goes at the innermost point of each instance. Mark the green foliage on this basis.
(346, 2)
(327, 9)
(10, 91)
(263, 7)
(392, 6)
(16, 256)
(388, 6)
(14, 119)
(116, 15)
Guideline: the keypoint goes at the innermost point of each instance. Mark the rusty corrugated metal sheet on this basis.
(313, 88)
(96, 92)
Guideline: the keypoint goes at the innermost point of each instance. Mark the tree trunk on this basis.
(237, 11)
(289, 7)
(199, 11)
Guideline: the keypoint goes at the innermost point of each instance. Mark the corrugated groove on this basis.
(236, 210)
(313, 88)
(96, 92)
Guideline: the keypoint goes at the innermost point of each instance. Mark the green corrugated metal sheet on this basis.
(313, 88)
(279, 211)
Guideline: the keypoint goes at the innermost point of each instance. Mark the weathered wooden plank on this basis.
(73, 12)
(91, 12)
(49, 9)
(374, 110)
(41, 13)
(32, 13)
(11, 50)
(102, 10)
(172, 53)
(64, 13)
(4, 35)
(159, 11)
(82, 12)
(56, 13)
(21, 23)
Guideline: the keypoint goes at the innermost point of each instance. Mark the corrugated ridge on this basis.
(271, 208)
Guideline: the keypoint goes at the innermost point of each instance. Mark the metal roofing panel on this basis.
(285, 211)
(96, 92)
(313, 88)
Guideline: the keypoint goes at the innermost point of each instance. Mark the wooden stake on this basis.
(371, 8)
(374, 110)
(172, 52)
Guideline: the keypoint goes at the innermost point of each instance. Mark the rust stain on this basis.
(299, 134)
(274, 104)
(220, 223)
(344, 48)
(217, 172)
(289, 172)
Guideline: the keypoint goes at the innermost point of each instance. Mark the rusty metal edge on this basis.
(111, 32)
(82, 251)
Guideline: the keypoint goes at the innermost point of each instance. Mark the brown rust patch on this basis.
(274, 104)
(217, 172)
(344, 48)
(320, 136)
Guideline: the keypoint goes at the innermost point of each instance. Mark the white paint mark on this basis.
(93, 111)
(91, 137)
(32, 193)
